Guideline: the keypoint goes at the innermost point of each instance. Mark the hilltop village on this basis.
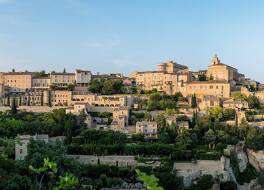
(190, 129)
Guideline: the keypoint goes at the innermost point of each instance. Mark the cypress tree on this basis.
(13, 107)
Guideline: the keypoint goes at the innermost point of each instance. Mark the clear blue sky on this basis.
(126, 35)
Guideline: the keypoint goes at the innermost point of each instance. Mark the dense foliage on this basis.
(106, 86)
(206, 139)
(162, 102)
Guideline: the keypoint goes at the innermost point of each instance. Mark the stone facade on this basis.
(209, 102)
(171, 67)
(62, 79)
(235, 104)
(219, 71)
(17, 81)
(41, 82)
(148, 128)
(104, 100)
(121, 113)
(77, 108)
(83, 78)
(169, 78)
(60, 97)
(219, 89)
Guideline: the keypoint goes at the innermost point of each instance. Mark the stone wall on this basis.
(256, 159)
(113, 160)
(33, 108)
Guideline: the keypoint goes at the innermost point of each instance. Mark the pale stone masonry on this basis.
(41, 82)
(209, 102)
(66, 89)
(148, 128)
(62, 79)
(220, 79)
(169, 78)
(208, 88)
(235, 104)
(83, 78)
(219, 71)
(18, 81)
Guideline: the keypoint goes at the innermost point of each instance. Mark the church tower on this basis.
(215, 60)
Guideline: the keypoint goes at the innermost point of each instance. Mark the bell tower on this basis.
(215, 60)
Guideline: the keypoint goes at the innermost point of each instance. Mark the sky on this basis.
(122, 36)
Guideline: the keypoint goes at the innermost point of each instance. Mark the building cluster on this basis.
(212, 87)
(218, 80)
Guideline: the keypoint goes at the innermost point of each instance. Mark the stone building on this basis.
(3, 90)
(77, 108)
(18, 81)
(169, 78)
(32, 98)
(120, 119)
(179, 120)
(207, 102)
(121, 112)
(219, 89)
(21, 149)
(62, 79)
(171, 67)
(235, 104)
(83, 78)
(41, 82)
(148, 128)
(60, 97)
(219, 71)
(104, 100)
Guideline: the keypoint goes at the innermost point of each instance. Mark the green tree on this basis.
(13, 107)
(253, 102)
(183, 138)
(194, 102)
(107, 87)
(205, 182)
(216, 113)
(229, 114)
(238, 96)
(170, 181)
(95, 86)
(70, 87)
(177, 96)
(48, 168)
(229, 185)
(9, 146)
(155, 97)
(18, 182)
(117, 86)
(152, 105)
(161, 120)
(150, 181)
(67, 182)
